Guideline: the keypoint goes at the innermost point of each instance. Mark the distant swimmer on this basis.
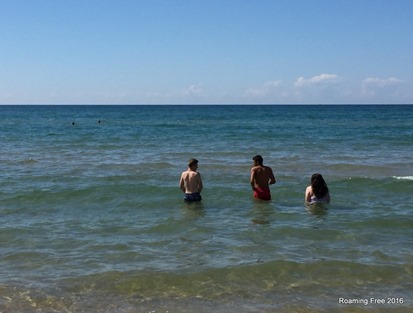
(261, 177)
(318, 191)
(191, 182)
(73, 123)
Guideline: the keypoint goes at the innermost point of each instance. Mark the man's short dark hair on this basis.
(258, 159)
(192, 162)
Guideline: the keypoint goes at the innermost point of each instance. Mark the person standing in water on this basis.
(261, 177)
(318, 191)
(191, 182)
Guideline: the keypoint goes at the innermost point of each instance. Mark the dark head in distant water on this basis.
(318, 185)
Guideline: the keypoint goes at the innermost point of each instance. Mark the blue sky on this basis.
(212, 52)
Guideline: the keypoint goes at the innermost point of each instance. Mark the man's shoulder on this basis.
(260, 168)
(191, 173)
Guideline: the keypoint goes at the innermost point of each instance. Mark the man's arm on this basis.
(182, 183)
(200, 186)
(272, 178)
(252, 179)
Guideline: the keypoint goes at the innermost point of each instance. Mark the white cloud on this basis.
(381, 87)
(323, 88)
(380, 82)
(315, 80)
(264, 89)
(192, 90)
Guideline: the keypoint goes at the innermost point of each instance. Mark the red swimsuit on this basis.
(263, 194)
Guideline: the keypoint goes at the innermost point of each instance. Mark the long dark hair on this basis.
(318, 185)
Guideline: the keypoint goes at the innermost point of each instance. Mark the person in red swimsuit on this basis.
(261, 177)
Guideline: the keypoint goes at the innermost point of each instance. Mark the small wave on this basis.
(28, 161)
(403, 177)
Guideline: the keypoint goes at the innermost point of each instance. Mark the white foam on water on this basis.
(403, 177)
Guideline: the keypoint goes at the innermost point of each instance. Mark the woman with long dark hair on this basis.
(318, 191)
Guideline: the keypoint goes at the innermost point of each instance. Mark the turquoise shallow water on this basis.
(92, 219)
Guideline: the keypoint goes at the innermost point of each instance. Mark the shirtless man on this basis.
(191, 182)
(261, 177)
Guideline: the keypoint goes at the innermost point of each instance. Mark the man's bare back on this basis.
(262, 176)
(191, 182)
